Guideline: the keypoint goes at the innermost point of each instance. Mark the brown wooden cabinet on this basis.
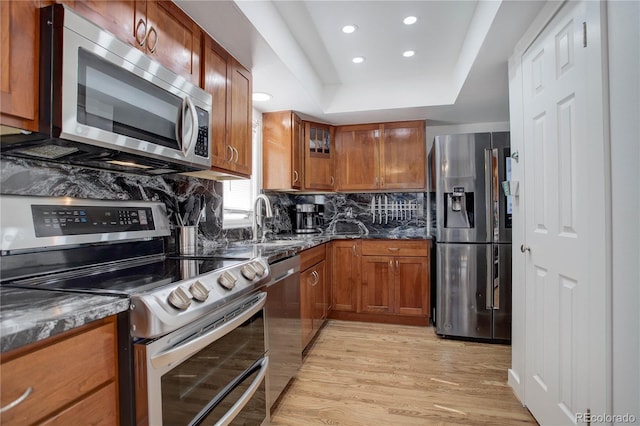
(157, 27)
(240, 117)
(282, 142)
(19, 48)
(230, 86)
(69, 379)
(357, 157)
(314, 302)
(345, 275)
(377, 285)
(385, 156)
(395, 277)
(319, 149)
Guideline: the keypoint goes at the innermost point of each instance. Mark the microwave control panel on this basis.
(52, 221)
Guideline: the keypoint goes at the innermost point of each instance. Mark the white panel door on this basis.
(556, 218)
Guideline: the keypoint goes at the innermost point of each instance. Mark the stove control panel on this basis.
(169, 307)
(51, 220)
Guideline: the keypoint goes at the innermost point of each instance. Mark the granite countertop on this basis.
(31, 315)
(28, 316)
(281, 246)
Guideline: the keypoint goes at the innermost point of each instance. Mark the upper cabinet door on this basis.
(173, 39)
(240, 118)
(403, 156)
(19, 48)
(319, 149)
(216, 83)
(117, 16)
(357, 157)
(157, 27)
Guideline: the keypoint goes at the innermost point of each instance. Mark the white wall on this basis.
(624, 86)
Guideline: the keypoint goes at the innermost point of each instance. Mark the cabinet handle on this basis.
(316, 278)
(382, 181)
(155, 45)
(144, 39)
(237, 154)
(397, 264)
(332, 180)
(524, 248)
(376, 180)
(18, 401)
(230, 158)
(353, 248)
(393, 248)
(295, 176)
(391, 264)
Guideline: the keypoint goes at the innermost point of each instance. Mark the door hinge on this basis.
(584, 34)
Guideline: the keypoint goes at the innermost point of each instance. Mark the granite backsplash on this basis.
(28, 177)
(341, 213)
(359, 213)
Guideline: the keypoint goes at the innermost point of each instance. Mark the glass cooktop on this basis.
(126, 278)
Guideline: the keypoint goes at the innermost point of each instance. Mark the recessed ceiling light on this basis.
(409, 20)
(358, 60)
(408, 53)
(348, 29)
(261, 97)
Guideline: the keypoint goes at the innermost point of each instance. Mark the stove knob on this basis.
(227, 280)
(248, 271)
(259, 267)
(179, 299)
(199, 291)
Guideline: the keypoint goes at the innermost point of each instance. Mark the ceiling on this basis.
(298, 53)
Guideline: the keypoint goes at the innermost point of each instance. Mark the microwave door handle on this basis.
(188, 106)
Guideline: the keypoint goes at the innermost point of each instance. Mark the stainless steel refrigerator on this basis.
(473, 234)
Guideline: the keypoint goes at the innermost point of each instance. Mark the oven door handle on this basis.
(262, 365)
(184, 351)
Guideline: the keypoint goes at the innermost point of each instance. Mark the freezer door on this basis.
(462, 275)
(501, 283)
(462, 193)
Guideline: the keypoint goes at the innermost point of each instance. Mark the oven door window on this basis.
(115, 100)
(217, 377)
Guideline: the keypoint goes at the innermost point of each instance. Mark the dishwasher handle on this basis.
(283, 269)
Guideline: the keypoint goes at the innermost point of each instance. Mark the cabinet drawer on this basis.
(58, 374)
(395, 248)
(312, 256)
(98, 409)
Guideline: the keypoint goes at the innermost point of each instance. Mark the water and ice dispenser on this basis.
(458, 208)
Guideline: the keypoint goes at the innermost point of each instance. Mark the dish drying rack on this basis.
(383, 210)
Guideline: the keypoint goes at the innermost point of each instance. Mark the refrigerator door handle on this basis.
(496, 278)
(488, 189)
(490, 259)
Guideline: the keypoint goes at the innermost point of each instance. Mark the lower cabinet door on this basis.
(411, 290)
(377, 284)
(306, 305)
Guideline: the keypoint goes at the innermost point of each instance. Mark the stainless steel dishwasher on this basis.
(283, 326)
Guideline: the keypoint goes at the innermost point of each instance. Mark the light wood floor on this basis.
(380, 374)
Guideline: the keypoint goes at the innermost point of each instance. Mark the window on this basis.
(238, 195)
(237, 203)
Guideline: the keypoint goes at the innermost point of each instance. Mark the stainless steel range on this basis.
(195, 350)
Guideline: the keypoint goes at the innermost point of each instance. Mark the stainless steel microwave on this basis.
(105, 104)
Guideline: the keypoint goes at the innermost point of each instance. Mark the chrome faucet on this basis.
(258, 219)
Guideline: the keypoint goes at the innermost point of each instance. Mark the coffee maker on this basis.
(306, 219)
